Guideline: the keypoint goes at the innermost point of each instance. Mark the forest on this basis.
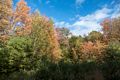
(33, 48)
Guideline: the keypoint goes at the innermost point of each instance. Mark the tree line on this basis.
(32, 48)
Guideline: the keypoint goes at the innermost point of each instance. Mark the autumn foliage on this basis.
(22, 19)
(93, 51)
(5, 16)
(45, 40)
(111, 29)
(33, 48)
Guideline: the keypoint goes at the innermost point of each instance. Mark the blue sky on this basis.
(80, 16)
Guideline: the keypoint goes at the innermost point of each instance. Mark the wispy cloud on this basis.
(47, 1)
(63, 24)
(116, 11)
(79, 2)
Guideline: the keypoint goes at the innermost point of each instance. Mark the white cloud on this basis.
(116, 11)
(84, 27)
(63, 24)
(97, 15)
(88, 23)
(79, 2)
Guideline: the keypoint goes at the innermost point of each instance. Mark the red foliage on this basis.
(106, 24)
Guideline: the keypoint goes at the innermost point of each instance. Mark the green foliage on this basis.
(3, 59)
(63, 38)
(75, 47)
(94, 35)
(44, 40)
(16, 55)
(113, 51)
(20, 51)
(79, 71)
(75, 41)
(34, 53)
(69, 71)
(111, 65)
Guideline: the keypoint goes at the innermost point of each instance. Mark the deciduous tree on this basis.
(92, 51)
(111, 29)
(44, 40)
(21, 19)
(5, 17)
(94, 35)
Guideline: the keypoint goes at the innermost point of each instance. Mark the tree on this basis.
(94, 35)
(113, 51)
(44, 40)
(63, 35)
(111, 29)
(20, 53)
(21, 19)
(5, 17)
(16, 56)
(92, 51)
(115, 29)
(75, 47)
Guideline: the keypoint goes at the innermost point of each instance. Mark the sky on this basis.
(79, 16)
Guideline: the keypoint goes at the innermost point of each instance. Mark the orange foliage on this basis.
(22, 15)
(53, 41)
(5, 17)
(4, 38)
(92, 50)
(43, 33)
